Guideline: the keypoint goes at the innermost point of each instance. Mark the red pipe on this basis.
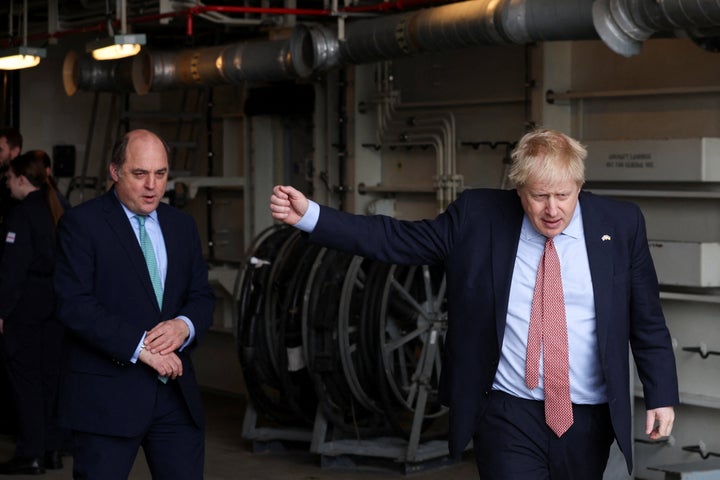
(397, 5)
(271, 10)
(191, 12)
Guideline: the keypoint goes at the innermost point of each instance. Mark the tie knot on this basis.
(141, 220)
(549, 244)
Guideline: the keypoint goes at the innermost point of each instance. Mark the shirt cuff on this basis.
(140, 346)
(191, 328)
(308, 221)
(189, 340)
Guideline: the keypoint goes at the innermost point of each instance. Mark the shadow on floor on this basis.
(230, 457)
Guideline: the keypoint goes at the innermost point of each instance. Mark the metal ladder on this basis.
(190, 123)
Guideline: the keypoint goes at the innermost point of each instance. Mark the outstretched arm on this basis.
(287, 204)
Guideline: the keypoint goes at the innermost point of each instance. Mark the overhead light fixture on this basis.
(20, 57)
(15, 58)
(116, 46)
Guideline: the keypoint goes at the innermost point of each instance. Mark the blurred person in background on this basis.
(31, 335)
(11, 143)
(10, 146)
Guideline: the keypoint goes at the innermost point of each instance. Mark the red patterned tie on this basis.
(548, 327)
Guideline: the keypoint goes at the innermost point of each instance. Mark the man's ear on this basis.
(114, 172)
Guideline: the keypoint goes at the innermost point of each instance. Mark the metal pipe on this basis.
(436, 142)
(624, 24)
(82, 72)
(307, 50)
(560, 97)
(210, 200)
(463, 24)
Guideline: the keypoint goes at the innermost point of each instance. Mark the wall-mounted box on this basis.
(668, 160)
(686, 264)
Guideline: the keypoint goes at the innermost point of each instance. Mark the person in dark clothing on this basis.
(11, 142)
(133, 294)
(546, 267)
(10, 146)
(31, 335)
(51, 179)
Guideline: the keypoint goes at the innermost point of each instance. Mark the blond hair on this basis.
(547, 156)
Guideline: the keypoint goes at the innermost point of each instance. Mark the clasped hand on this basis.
(160, 345)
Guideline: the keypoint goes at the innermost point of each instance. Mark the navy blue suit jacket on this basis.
(106, 301)
(476, 239)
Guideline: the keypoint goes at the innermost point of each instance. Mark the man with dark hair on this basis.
(134, 296)
(11, 143)
(10, 147)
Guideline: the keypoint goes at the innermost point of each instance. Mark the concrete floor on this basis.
(230, 457)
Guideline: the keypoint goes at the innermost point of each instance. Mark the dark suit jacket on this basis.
(476, 239)
(106, 301)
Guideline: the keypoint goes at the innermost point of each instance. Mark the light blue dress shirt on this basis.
(587, 384)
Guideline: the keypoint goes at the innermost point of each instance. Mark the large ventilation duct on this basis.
(624, 24)
(314, 48)
(307, 50)
(464, 24)
(82, 72)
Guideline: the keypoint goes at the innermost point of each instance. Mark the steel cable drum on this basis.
(411, 321)
(320, 335)
(359, 352)
(256, 360)
(283, 325)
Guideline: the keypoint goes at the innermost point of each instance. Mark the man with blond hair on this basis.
(547, 287)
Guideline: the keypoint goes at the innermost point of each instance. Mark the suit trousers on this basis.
(513, 442)
(174, 445)
(32, 351)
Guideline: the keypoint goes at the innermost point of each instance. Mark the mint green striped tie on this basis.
(149, 254)
(150, 261)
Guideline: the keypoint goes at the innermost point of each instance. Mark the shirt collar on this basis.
(573, 230)
(130, 214)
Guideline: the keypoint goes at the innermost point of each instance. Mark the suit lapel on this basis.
(505, 239)
(120, 226)
(172, 249)
(599, 235)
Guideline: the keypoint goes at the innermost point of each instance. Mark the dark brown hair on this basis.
(12, 136)
(31, 165)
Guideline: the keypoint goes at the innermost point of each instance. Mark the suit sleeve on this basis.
(649, 337)
(383, 238)
(199, 302)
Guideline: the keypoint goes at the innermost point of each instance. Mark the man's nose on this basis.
(551, 206)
